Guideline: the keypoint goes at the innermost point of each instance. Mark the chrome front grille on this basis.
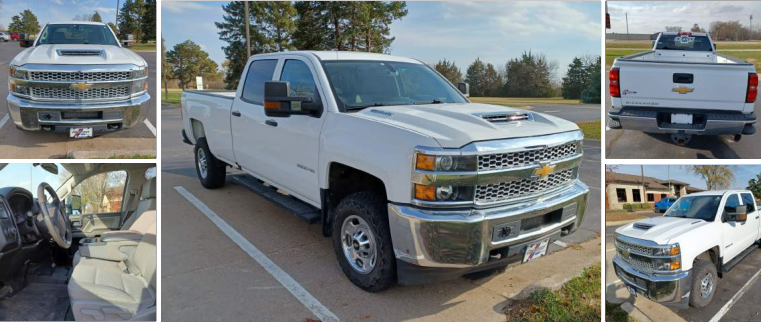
(80, 76)
(488, 193)
(73, 94)
(634, 248)
(500, 161)
(641, 265)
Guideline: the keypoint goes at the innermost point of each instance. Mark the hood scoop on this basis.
(79, 52)
(643, 226)
(509, 117)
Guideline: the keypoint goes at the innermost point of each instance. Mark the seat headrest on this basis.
(149, 189)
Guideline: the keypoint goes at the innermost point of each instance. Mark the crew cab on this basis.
(78, 242)
(412, 181)
(683, 87)
(77, 79)
(678, 259)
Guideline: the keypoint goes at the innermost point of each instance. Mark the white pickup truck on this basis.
(677, 259)
(413, 182)
(75, 78)
(683, 88)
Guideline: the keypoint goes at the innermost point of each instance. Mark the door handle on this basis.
(235, 113)
(270, 122)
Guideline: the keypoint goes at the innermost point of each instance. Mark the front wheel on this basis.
(209, 169)
(362, 241)
(704, 282)
(656, 210)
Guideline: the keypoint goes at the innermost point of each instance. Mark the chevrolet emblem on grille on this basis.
(682, 90)
(544, 171)
(82, 86)
(626, 252)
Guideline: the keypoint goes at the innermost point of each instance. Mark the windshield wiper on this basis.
(435, 101)
(360, 107)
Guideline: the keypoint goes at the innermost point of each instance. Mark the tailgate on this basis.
(684, 85)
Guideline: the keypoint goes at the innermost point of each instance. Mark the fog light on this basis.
(446, 193)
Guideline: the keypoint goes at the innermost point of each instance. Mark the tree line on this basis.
(530, 75)
(723, 30)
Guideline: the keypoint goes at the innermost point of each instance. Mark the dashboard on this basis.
(20, 239)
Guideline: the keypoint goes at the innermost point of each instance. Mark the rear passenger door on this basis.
(753, 216)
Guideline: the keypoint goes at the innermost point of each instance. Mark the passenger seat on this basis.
(103, 289)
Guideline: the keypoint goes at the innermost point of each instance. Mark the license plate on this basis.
(80, 132)
(536, 250)
(681, 118)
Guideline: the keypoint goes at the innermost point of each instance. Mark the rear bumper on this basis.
(655, 120)
(673, 290)
(32, 115)
(436, 244)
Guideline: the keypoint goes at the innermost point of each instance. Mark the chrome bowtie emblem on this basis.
(82, 86)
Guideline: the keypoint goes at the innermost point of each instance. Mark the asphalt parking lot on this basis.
(205, 276)
(626, 144)
(736, 298)
(17, 144)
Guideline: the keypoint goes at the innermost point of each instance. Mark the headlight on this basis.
(668, 258)
(671, 250)
(17, 89)
(16, 72)
(139, 86)
(428, 162)
(139, 73)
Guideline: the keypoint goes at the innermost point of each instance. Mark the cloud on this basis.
(177, 6)
(57, 1)
(651, 17)
(103, 10)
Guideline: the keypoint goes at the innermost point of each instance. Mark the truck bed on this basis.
(680, 57)
(222, 94)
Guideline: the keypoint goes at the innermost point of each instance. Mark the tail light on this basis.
(615, 86)
(750, 96)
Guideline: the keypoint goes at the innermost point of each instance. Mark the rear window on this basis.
(684, 42)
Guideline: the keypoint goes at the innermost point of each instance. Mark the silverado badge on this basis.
(544, 171)
(682, 90)
(82, 86)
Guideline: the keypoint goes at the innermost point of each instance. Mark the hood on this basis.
(49, 54)
(457, 124)
(662, 229)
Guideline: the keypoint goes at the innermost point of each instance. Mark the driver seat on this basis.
(106, 289)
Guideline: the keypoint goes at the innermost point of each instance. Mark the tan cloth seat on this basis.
(117, 242)
(102, 290)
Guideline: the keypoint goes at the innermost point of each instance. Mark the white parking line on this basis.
(553, 111)
(560, 243)
(5, 119)
(150, 126)
(323, 313)
(612, 283)
(734, 299)
(610, 250)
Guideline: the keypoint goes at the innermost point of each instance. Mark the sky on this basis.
(459, 31)
(743, 173)
(651, 17)
(57, 10)
(27, 176)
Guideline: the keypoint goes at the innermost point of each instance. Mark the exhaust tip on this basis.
(48, 128)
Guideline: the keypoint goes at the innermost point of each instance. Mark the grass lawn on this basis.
(522, 101)
(749, 56)
(611, 54)
(614, 313)
(173, 98)
(577, 300)
(591, 129)
(151, 46)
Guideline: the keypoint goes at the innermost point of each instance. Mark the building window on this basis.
(621, 194)
(650, 197)
(663, 196)
(635, 194)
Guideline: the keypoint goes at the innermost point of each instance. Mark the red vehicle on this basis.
(15, 36)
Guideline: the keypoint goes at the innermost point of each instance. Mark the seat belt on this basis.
(133, 205)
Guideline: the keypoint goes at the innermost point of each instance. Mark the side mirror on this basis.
(25, 43)
(464, 88)
(74, 204)
(739, 215)
(714, 47)
(277, 101)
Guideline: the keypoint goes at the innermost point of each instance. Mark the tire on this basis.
(701, 270)
(656, 210)
(370, 208)
(215, 170)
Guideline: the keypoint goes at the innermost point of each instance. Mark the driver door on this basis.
(95, 204)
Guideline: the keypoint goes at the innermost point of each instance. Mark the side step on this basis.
(728, 266)
(297, 207)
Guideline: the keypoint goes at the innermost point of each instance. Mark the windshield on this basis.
(29, 176)
(361, 84)
(77, 34)
(684, 42)
(698, 207)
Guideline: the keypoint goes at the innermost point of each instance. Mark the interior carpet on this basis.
(36, 302)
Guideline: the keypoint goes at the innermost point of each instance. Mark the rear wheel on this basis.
(209, 169)
(362, 241)
(703, 283)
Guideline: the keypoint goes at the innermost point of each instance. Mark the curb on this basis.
(635, 313)
(108, 154)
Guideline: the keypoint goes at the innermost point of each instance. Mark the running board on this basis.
(297, 207)
(728, 266)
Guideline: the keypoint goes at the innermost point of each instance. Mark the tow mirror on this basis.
(277, 101)
(464, 88)
(74, 204)
(25, 43)
(714, 47)
(739, 215)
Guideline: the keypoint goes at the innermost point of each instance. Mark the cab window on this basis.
(732, 202)
(102, 193)
(302, 83)
(259, 72)
(748, 201)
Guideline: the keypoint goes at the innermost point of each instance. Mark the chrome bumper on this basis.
(471, 237)
(666, 289)
(713, 123)
(32, 115)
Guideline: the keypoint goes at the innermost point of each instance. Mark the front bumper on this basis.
(655, 120)
(665, 289)
(449, 243)
(32, 115)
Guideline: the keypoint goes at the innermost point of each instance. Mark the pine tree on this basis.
(449, 70)
(148, 21)
(475, 76)
(187, 60)
(25, 23)
(96, 17)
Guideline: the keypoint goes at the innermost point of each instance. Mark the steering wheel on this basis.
(56, 222)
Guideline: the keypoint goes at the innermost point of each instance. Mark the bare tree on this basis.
(716, 176)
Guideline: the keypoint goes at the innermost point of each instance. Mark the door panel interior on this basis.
(92, 225)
